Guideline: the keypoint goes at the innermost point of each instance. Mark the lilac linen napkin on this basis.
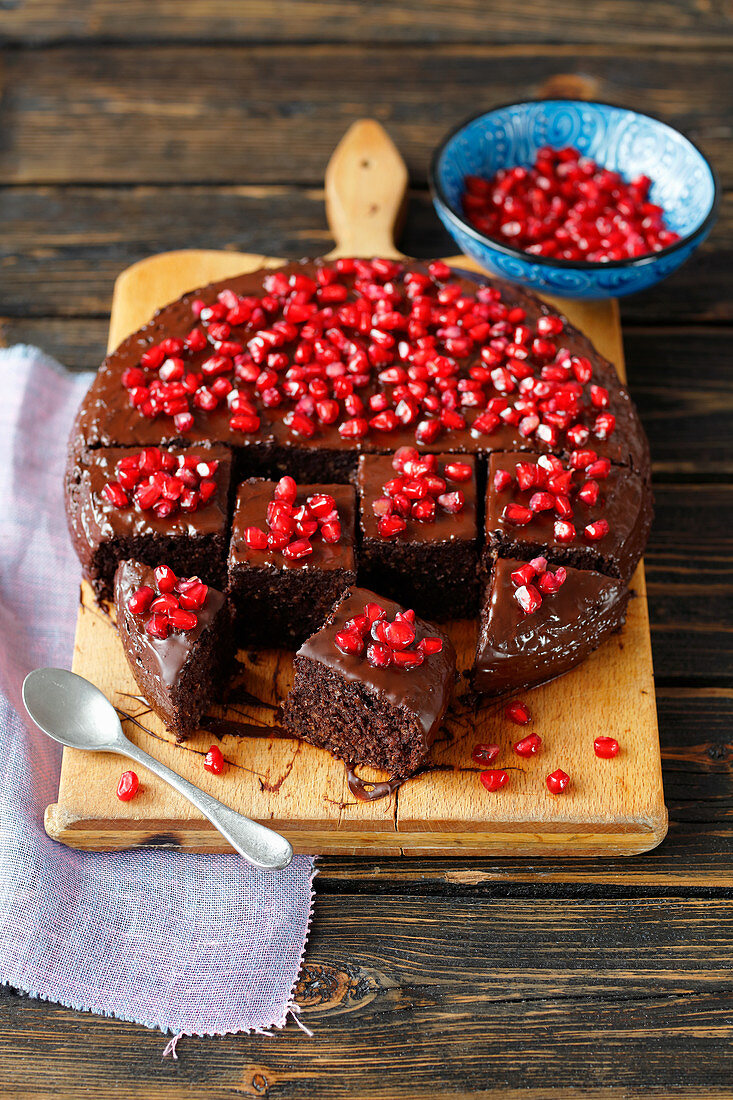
(195, 945)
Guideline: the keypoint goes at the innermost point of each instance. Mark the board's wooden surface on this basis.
(613, 807)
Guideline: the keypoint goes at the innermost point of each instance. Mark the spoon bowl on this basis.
(72, 711)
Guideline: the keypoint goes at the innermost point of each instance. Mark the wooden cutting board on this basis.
(612, 807)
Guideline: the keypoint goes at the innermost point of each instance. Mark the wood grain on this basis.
(61, 248)
(518, 997)
(248, 114)
(656, 22)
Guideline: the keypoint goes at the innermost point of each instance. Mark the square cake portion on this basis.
(418, 527)
(153, 505)
(582, 512)
(538, 622)
(291, 557)
(176, 634)
(372, 685)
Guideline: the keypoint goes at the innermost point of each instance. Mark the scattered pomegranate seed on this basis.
(494, 780)
(214, 760)
(517, 515)
(528, 746)
(255, 538)
(485, 754)
(557, 781)
(300, 548)
(349, 641)
(430, 645)
(182, 620)
(128, 786)
(518, 713)
(502, 480)
(158, 626)
(568, 207)
(606, 747)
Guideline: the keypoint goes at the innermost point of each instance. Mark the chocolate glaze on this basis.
(93, 520)
(516, 650)
(375, 470)
(625, 501)
(221, 727)
(425, 691)
(251, 511)
(158, 664)
(371, 790)
(106, 417)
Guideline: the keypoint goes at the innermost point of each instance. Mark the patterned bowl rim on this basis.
(440, 197)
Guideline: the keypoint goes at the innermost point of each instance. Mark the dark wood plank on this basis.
(428, 996)
(61, 248)
(656, 22)
(266, 114)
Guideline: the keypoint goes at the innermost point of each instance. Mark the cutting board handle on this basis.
(366, 191)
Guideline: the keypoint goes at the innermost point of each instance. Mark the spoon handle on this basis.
(260, 846)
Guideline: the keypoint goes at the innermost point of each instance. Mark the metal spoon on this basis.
(74, 712)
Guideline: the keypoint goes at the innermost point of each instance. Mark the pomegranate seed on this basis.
(116, 495)
(193, 596)
(182, 620)
(598, 530)
(301, 548)
(373, 612)
(484, 754)
(517, 515)
(348, 641)
(541, 502)
(140, 600)
(321, 504)
(518, 712)
(502, 480)
(601, 468)
(255, 538)
(390, 527)
(165, 578)
(588, 493)
(606, 747)
(528, 746)
(458, 471)
(439, 271)
(331, 531)
(557, 781)
(430, 645)
(378, 655)
(529, 598)
(494, 780)
(214, 760)
(286, 490)
(157, 626)
(165, 603)
(128, 786)
(400, 634)
(452, 502)
(564, 531)
(524, 575)
(408, 658)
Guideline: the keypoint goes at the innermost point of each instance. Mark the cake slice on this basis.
(155, 505)
(176, 634)
(539, 621)
(372, 685)
(419, 538)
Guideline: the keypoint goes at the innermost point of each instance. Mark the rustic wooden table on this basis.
(130, 128)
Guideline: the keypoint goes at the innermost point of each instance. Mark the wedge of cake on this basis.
(538, 621)
(372, 685)
(176, 634)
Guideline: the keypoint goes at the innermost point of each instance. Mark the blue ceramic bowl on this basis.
(625, 141)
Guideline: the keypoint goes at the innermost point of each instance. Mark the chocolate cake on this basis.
(177, 639)
(419, 537)
(531, 631)
(583, 512)
(291, 557)
(154, 505)
(329, 373)
(372, 685)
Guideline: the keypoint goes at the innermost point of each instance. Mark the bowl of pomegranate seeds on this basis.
(584, 200)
